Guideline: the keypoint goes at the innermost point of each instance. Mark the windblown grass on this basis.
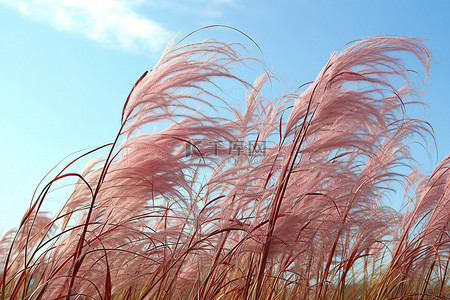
(287, 203)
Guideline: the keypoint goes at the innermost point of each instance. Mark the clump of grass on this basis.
(293, 209)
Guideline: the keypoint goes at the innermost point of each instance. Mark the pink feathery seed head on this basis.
(153, 219)
(178, 80)
(432, 207)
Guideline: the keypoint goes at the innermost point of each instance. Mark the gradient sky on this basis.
(67, 65)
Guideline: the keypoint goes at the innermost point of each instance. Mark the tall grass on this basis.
(284, 199)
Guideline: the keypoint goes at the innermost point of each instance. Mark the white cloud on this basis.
(110, 22)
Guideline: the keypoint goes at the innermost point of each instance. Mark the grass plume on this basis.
(283, 199)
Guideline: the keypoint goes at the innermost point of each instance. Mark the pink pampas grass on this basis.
(283, 199)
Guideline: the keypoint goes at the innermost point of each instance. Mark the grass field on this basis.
(284, 198)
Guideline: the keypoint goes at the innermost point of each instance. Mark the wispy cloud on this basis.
(110, 22)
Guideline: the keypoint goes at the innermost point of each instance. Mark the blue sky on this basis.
(67, 65)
